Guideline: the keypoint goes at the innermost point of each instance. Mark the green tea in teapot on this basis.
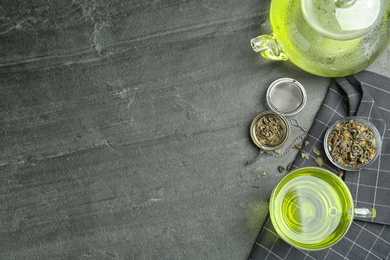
(327, 37)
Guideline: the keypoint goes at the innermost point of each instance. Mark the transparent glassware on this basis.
(361, 121)
(327, 38)
(312, 209)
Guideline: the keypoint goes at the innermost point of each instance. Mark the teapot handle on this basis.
(268, 47)
(364, 213)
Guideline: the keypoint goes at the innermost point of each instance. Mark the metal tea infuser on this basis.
(285, 97)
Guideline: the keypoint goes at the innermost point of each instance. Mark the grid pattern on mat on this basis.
(364, 240)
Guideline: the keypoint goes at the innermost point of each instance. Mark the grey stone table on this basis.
(125, 128)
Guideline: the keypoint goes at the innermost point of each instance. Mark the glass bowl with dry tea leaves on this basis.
(352, 143)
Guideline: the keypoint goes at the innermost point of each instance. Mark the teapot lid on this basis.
(343, 19)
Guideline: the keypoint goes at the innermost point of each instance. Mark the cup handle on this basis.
(364, 213)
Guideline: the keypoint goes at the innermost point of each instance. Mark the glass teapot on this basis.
(330, 38)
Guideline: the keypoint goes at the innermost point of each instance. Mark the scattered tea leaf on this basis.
(241, 174)
(315, 150)
(277, 151)
(319, 161)
(306, 143)
(298, 146)
(289, 166)
(261, 174)
(253, 186)
(281, 169)
(305, 155)
(340, 173)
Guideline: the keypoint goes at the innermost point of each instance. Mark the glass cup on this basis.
(312, 209)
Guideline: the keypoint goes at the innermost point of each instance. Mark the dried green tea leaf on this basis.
(270, 130)
(315, 150)
(261, 174)
(277, 151)
(305, 155)
(306, 143)
(319, 161)
(281, 169)
(298, 146)
(289, 166)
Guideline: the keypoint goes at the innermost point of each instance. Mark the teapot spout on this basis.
(268, 47)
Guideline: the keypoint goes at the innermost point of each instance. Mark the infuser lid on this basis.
(343, 19)
(286, 96)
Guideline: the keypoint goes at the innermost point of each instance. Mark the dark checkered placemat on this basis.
(364, 240)
(367, 95)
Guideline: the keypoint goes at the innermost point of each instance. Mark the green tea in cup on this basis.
(312, 209)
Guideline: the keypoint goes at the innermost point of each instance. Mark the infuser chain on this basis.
(295, 123)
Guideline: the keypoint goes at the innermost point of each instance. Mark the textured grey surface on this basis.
(124, 128)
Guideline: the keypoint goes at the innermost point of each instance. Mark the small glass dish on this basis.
(347, 154)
